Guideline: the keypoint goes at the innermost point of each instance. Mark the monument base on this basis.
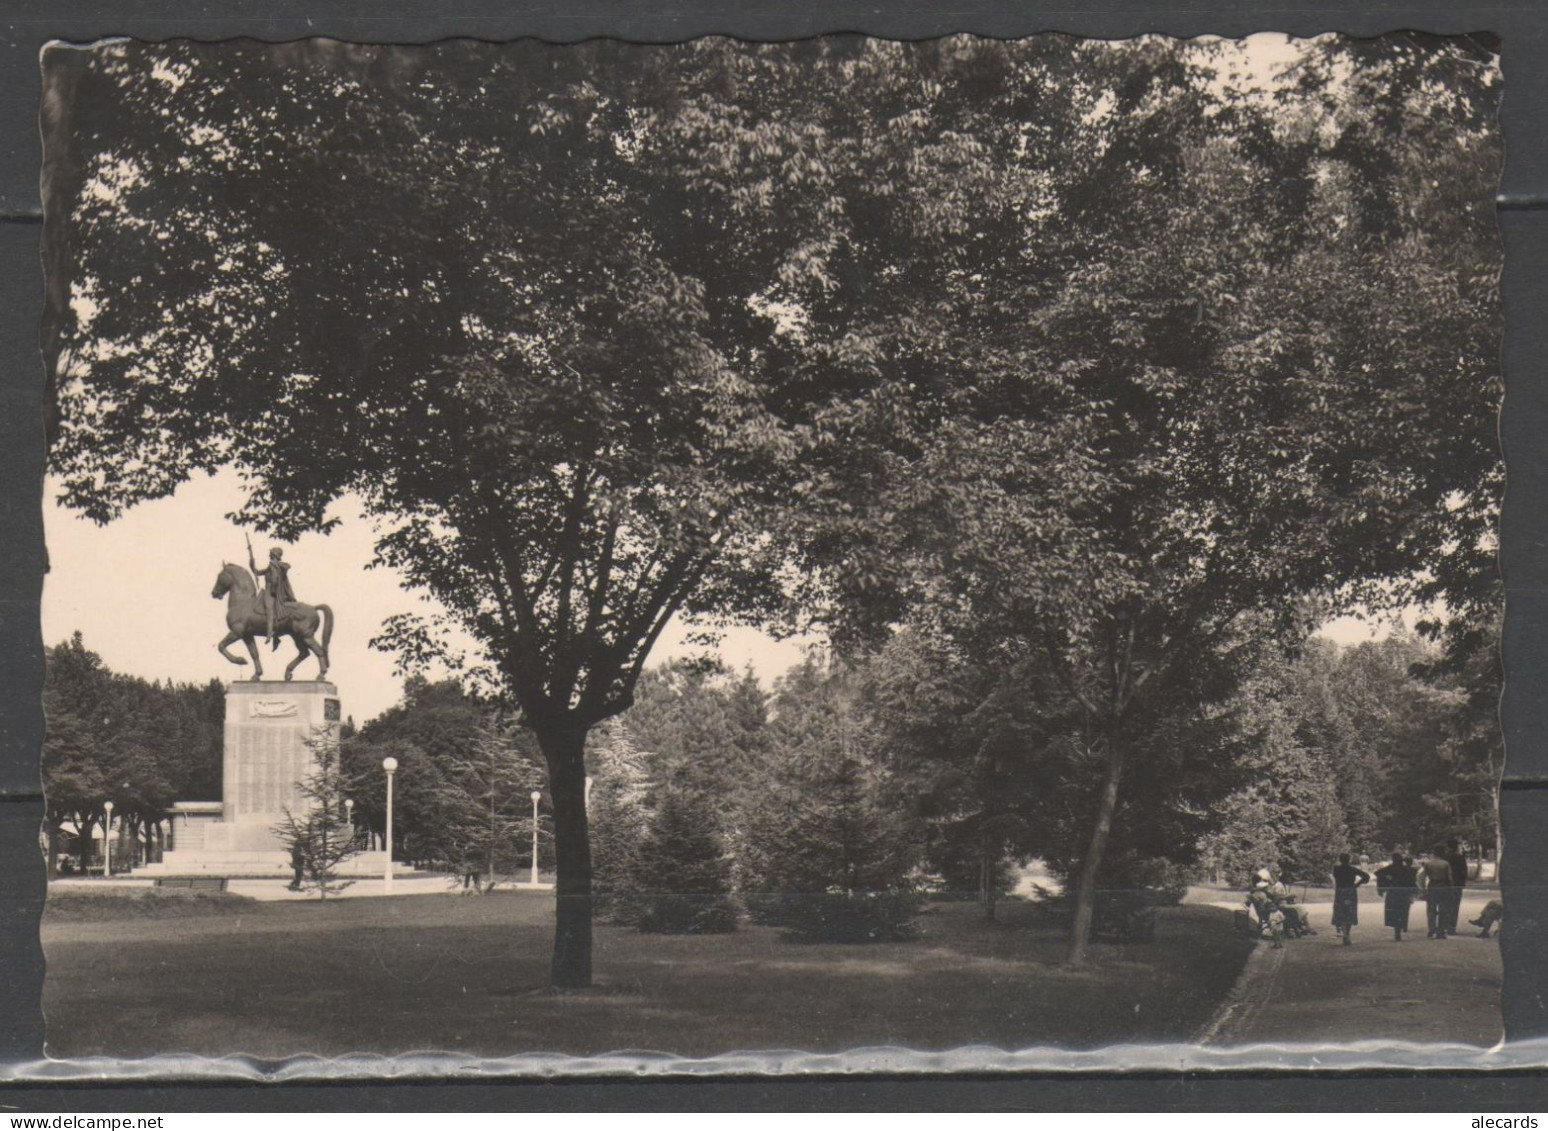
(271, 730)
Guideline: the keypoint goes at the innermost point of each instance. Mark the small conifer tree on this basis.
(823, 843)
(618, 818)
(319, 836)
(829, 861)
(482, 805)
(682, 874)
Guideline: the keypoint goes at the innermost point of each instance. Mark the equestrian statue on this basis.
(272, 612)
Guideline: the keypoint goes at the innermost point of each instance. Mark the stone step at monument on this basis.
(261, 864)
(233, 864)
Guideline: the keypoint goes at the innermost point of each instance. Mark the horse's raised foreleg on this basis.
(231, 638)
(252, 650)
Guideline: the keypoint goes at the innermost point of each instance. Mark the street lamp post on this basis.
(537, 796)
(349, 817)
(390, 765)
(107, 841)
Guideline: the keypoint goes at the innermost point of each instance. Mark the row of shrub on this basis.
(672, 871)
(828, 916)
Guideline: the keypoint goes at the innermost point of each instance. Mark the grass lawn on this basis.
(98, 904)
(467, 974)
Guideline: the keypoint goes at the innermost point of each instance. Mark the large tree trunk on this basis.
(1499, 834)
(564, 749)
(489, 864)
(1085, 883)
(53, 848)
(86, 845)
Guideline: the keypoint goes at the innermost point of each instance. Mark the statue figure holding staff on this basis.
(276, 590)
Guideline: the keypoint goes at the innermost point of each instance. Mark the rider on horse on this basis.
(277, 588)
(249, 611)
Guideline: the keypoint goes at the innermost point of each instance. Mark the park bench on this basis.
(197, 883)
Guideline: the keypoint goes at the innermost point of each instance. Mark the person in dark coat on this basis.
(1459, 871)
(1395, 883)
(1435, 884)
(1347, 880)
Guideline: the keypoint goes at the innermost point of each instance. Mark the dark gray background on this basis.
(1523, 28)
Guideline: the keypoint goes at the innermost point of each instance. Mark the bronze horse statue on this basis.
(247, 618)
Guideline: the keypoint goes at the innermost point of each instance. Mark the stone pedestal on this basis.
(268, 727)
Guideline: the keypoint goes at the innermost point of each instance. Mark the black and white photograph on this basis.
(737, 548)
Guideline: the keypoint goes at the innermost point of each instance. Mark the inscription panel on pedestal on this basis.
(268, 729)
(270, 761)
(273, 709)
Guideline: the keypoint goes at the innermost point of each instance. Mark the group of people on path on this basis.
(1438, 878)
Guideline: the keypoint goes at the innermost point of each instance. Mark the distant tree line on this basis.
(832, 804)
(466, 773)
(112, 737)
(858, 786)
(1367, 749)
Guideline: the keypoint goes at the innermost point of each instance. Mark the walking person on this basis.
(1459, 869)
(1435, 889)
(1347, 880)
(1395, 883)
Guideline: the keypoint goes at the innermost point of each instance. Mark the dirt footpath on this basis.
(1420, 989)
